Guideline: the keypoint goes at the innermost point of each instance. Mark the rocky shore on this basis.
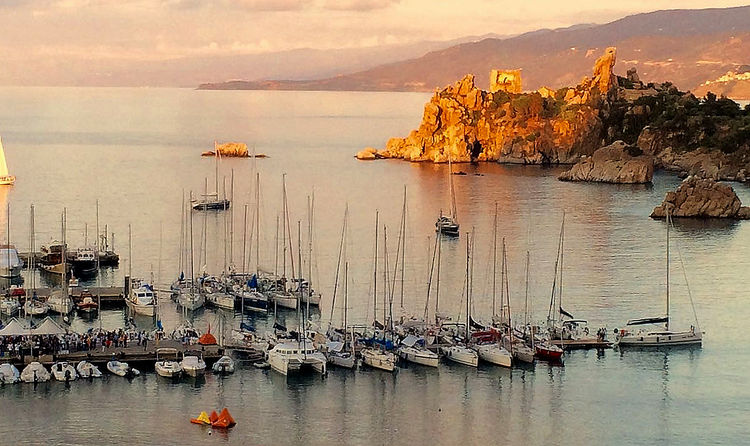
(615, 163)
(702, 198)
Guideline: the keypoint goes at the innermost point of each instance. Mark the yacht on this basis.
(84, 261)
(59, 302)
(86, 369)
(193, 365)
(9, 374)
(10, 263)
(165, 367)
(461, 354)
(190, 300)
(63, 371)
(379, 359)
(250, 299)
(284, 299)
(494, 353)
(35, 373)
(411, 350)
(220, 300)
(141, 299)
(338, 356)
(295, 356)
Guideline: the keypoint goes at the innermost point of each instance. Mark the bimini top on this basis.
(649, 320)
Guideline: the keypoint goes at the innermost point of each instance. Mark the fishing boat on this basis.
(448, 224)
(141, 299)
(410, 350)
(193, 365)
(63, 371)
(666, 337)
(87, 305)
(10, 262)
(166, 367)
(9, 374)
(223, 366)
(5, 178)
(296, 357)
(35, 373)
(86, 370)
(84, 262)
(122, 369)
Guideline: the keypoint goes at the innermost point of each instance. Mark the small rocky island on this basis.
(615, 163)
(702, 198)
(232, 149)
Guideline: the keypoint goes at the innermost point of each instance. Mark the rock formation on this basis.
(615, 163)
(464, 123)
(698, 197)
(233, 149)
(508, 81)
(368, 153)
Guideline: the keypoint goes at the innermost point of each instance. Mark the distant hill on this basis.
(734, 84)
(686, 47)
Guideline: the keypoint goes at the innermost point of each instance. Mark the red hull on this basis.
(549, 353)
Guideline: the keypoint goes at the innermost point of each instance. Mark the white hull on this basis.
(523, 354)
(660, 339)
(9, 273)
(221, 300)
(461, 355)
(9, 307)
(121, 369)
(344, 360)
(379, 360)
(168, 369)
(35, 373)
(494, 354)
(35, 308)
(291, 357)
(60, 305)
(313, 299)
(143, 310)
(9, 374)
(285, 300)
(193, 366)
(419, 356)
(190, 301)
(62, 371)
(86, 369)
(224, 365)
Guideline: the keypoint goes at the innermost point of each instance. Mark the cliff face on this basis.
(468, 124)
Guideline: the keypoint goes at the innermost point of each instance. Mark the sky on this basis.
(49, 34)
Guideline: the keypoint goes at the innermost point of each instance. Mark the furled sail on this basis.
(3, 164)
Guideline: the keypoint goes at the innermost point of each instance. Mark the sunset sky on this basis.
(49, 35)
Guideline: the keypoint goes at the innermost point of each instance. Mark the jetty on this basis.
(582, 344)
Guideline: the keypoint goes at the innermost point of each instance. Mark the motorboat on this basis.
(84, 262)
(63, 371)
(193, 365)
(122, 369)
(296, 356)
(52, 253)
(9, 374)
(86, 369)
(494, 353)
(166, 367)
(35, 307)
(87, 305)
(141, 299)
(224, 366)
(35, 373)
(9, 305)
(411, 350)
(10, 262)
(190, 300)
(337, 355)
(379, 359)
(56, 269)
(461, 354)
(59, 302)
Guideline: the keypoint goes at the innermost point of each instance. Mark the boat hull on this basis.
(549, 353)
(418, 356)
(168, 369)
(347, 361)
(379, 360)
(495, 355)
(143, 310)
(667, 339)
(285, 301)
(461, 355)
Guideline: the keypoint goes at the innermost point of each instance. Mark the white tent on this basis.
(49, 327)
(14, 328)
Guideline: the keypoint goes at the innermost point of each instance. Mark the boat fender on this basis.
(586, 330)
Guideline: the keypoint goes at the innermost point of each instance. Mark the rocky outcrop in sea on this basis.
(615, 163)
(700, 197)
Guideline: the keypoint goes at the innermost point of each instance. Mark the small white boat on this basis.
(36, 308)
(493, 354)
(62, 371)
(9, 306)
(224, 366)
(379, 359)
(193, 366)
(462, 355)
(5, 178)
(165, 367)
(9, 374)
(336, 355)
(189, 300)
(296, 356)
(142, 298)
(122, 369)
(86, 369)
(410, 350)
(35, 373)
(221, 300)
(60, 303)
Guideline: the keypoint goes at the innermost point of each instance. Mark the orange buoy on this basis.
(224, 421)
(213, 417)
(201, 419)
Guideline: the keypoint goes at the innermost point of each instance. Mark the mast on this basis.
(276, 254)
(468, 259)
(64, 252)
(403, 248)
(244, 241)
(98, 265)
(257, 224)
(346, 292)
(283, 227)
(454, 213)
(192, 264)
(299, 284)
(338, 264)
(216, 167)
(437, 278)
(7, 221)
(375, 273)
(562, 252)
(668, 225)
(526, 299)
(494, 262)
(385, 276)
(32, 255)
(231, 220)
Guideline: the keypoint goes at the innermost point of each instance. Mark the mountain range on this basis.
(686, 47)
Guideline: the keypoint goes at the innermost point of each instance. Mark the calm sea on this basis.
(137, 151)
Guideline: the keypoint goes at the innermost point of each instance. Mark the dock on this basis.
(583, 344)
(110, 296)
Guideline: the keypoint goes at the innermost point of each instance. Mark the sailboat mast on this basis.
(385, 275)
(437, 277)
(403, 248)
(283, 226)
(276, 252)
(216, 167)
(375, 273)
(338, 264)
(231, 220)
(668, 225)
(468, 258)
(244, 241)
(64, 253)
(346, 293)
(189, 215)
(562, 254)
(526, 299)
(32, 255)
(494, 262)
(257, 224)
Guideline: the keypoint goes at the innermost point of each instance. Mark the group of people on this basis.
(72, 342)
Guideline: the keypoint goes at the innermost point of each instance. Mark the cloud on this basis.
(357, 5)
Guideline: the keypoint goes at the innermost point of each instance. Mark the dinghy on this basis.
(86, 369)
(9, 374)
(224, 366)
(193, 366)
(35, 373)
(122, 369)
(62, 371)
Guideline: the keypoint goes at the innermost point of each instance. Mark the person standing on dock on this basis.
(145, 343)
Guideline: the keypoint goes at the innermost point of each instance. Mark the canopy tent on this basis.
(47, 327)
(14, 328)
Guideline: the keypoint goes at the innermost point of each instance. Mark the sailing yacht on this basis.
(5, 178)
(460, 352)
(212, 201)
(448, 225)
(660, 338)
(412, 350)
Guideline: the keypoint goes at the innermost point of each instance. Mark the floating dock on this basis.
(583, 344)
(110, 296)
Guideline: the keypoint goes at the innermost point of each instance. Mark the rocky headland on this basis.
(702, 198)
(705, 137)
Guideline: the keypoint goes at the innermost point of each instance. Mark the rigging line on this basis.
(687, 285)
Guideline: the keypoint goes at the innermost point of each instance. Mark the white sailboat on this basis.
(5, 178)
(141, 298)
(448, 224)
(666, 337)
(410, 350)
(460, 352)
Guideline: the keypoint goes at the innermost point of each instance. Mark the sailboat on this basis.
(666, 337)
(5, 178)
(141, 297)
(212, 201)
(59, 301)
(445, 224)
(460, 352)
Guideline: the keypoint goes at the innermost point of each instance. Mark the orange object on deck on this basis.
(225, 420)
(207, 339)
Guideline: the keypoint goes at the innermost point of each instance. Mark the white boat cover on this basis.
(335, 346)
(410, 340)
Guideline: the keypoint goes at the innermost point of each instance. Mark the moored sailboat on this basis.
(5, 178)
